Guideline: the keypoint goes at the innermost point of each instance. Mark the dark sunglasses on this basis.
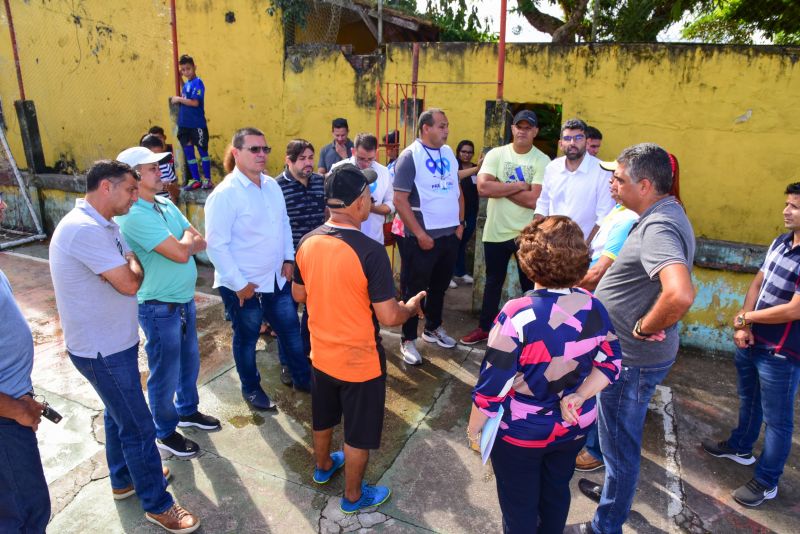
(266, 149)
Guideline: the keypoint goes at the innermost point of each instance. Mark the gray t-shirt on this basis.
(97, 320)
(328, 155)
(663, 236)
(405, 173)
(16, 342)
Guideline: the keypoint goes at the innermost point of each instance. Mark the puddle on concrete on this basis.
(241, 421)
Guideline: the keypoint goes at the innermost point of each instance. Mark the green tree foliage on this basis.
(737, 21)
(457, 22)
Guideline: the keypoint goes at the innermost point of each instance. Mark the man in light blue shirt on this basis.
(250, 244)
(164, 241)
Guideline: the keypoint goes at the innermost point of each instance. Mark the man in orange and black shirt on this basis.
(345, 279)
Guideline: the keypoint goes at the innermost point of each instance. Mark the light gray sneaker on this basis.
(440, 337)
(410, 353)
(754, 493)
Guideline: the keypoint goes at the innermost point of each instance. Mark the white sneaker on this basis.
(440, 337)
(453, 284)
(410, 353)
(467, 279)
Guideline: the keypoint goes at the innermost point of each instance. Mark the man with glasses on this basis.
(250, 244)
(165, 242)
(95, 280)
(24, 499)
(574, 184)
(511, 178)
(364, 153)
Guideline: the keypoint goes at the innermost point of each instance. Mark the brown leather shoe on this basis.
(587, 462)
(124, 493)
(175, 519)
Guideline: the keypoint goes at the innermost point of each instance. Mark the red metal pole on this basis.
(14, 48)
(378, 110)
(173, 21)
(501, 52)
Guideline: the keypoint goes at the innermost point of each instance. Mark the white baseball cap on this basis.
(139, 155)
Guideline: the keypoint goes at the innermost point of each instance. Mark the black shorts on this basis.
(362, 404)
(193, 136)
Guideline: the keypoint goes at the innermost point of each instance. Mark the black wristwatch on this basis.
(637, 329)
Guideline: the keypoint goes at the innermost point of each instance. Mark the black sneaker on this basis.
(199, 420)
(178, 445)
(754, 493)
(720, 449)
(286, 376)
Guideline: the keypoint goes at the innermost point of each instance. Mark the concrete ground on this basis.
(254, 475)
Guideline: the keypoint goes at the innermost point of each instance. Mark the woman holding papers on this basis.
(549, 353)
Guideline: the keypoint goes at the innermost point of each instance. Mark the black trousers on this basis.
(496, 256)
(431, 271)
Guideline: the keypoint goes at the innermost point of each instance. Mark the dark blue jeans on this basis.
(461, 260)
(279, 310)
(24, 499)
(622, 408)
(130, 433)
(174, 361)
(593, 443)
(533, 485)
(767, 388)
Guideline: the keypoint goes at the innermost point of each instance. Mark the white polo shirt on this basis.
(382, 192)
(584, 195)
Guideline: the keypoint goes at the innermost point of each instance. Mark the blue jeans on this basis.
(470, 222)
(130, 433)
(593, 443)
(24, 499)
(767, 387)
(622, 408)
(279, 310)
(174, 361)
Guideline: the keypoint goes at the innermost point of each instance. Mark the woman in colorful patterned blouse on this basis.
(549, 353)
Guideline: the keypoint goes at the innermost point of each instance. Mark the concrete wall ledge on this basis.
(729, 255)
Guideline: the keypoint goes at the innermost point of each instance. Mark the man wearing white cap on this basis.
(165, 242)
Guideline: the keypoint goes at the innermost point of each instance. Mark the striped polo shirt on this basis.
(304, 205)
(781, 271)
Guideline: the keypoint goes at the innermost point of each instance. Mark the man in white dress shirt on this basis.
(365, 150)
(250, 244)
(574, 184)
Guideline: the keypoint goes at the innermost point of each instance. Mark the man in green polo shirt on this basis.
(165, 242)
(511, 177)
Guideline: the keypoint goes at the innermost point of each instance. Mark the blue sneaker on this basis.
(370, 496)
(322, 477)
(259, 400)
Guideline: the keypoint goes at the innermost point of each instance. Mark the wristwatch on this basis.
(637, 329)
(740, 321)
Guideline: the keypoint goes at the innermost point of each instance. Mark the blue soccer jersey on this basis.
(188, 116)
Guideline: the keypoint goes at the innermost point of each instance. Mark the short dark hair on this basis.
(238, 138)
(339, 123)
(157, 130)
(426, 118)
(186, 59)
(792, 189)
(574, 124)
(593, 133)
(462, 144)
(151, 141)
(297, 147)
(553, 252)
(367, 141)
(650, 161)
(107, 169)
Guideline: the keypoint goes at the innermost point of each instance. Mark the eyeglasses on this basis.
(467, 152)
(568, 138)
(159, 210)
(119, 247)
(266, 149)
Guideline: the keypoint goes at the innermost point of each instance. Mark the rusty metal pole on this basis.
(14, 49)
(173, 21)
(501, 51)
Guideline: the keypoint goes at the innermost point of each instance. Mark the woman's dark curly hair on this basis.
(553, 253)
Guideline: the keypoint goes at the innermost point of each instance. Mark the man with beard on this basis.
(340, 148)
(574, 184)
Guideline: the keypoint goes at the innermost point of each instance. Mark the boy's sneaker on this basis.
(322, 477)
(207, 184)
(440, 337)
(754, 493)
(467, 279)
(286, 376)
(720, 449)
(199, 420)
(192, 185)
(476, 336)
(175, 519)
(124, 493)
(453, 284)
(370, 496)
(178, 445)
(410, 353)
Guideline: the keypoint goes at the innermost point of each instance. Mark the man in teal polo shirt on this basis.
(164, 241)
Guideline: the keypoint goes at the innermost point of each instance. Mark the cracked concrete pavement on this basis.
(255, 474)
